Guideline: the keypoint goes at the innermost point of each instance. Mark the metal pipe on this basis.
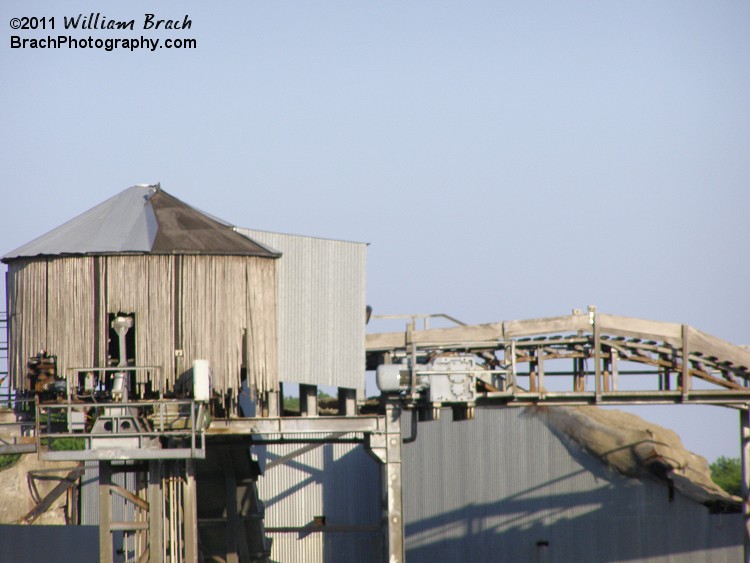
(413, 436)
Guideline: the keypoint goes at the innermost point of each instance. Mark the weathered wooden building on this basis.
(195, 288)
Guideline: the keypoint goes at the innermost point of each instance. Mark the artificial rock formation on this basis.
(638, 448)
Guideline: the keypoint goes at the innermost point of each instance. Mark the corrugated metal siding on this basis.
(122, 510)
(321, 308)
(338, 481)
(490, 489)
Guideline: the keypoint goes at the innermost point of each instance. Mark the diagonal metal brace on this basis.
(43, 505)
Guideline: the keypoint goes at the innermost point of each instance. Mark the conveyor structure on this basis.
(587, 358)
(583, 358)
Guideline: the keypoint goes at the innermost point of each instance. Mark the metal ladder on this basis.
(4, 368)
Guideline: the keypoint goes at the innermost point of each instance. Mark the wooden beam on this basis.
(127, 495)
(548, 325)
(639, 328)
(711, 346)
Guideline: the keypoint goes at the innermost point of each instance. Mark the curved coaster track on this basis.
(583, 358)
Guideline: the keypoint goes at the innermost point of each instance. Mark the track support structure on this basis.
(745, 460)
(386, 448)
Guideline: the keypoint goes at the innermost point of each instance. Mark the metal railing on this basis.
(4, 368)
(17, 418)
(144, 375)
(166, 428)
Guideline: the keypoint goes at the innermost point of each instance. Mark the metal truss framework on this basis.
(679, 364)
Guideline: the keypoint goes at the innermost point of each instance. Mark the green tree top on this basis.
(727, 473)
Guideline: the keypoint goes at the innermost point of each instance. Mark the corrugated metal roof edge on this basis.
(268, 248)
(8, 260)
(296, 235)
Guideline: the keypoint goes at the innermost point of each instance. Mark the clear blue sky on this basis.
(504, 160)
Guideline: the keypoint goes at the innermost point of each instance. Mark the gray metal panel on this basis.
(338, 481)
(490, 489)
(49, 543)
(321, 308)
(90, 494)
(122, 510)
(122, 223)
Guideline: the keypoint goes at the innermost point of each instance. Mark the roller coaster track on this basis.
(610, 360)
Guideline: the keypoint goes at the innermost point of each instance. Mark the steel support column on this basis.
(155, 513)
(347, 402)
(105, 512)
(386, 448)
(745, 442)
(392, 486)
(308, 400)
(190, 511)
(232, 515)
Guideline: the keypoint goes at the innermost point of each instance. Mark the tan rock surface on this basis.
(15, 495)
(637, 448)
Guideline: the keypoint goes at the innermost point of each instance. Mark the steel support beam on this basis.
(598, 384)
(296, 425)
(105, 512)
(686, 383)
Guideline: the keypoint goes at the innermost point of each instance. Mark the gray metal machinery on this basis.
(585, 358)
(120, 417)
(121, 325)
(443, 379)
(121, 427)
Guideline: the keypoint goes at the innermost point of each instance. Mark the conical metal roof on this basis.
(142, 219)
